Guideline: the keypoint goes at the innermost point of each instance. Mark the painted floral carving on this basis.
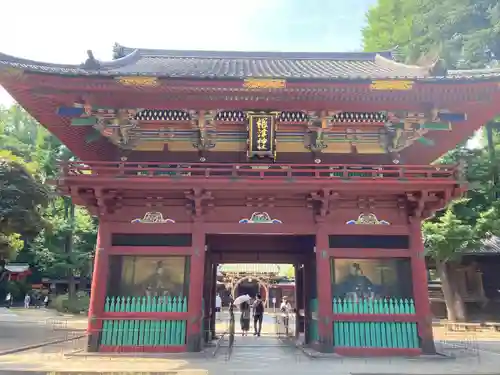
(153, 218)
(368, 219)
(260, 218)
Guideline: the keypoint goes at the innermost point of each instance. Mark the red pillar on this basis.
(420, 288)
(196, 275)
(99, 286)
(324, 288)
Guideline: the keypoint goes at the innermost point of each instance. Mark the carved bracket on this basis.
(424, 204)
(197, 199)
(104, 201)
(260, 201)
(323, 203)
(366, 203)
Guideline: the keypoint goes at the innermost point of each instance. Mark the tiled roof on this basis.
(249, 268)
(241, 65)
(490, 246)
(17, 267)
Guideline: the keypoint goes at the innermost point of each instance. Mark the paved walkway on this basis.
(268, 324)
(266, 358)
(261, 355)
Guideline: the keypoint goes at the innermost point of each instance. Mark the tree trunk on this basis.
(455, 306)
(457, 280)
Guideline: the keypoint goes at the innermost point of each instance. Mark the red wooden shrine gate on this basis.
(178, 148)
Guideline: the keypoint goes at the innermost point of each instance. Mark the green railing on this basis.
(351, 174)
(313, 324)
(396, 335)
(146, 304)
(374, 306)
(143, 333)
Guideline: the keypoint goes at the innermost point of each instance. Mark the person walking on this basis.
(258, 314)
(285, 309)
(27, 300)
(8, 300)
(245, 318)
(218, 306)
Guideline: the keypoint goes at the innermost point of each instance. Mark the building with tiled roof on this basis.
(284, 152)
(246, 268)
(300, 66)
(264, 80)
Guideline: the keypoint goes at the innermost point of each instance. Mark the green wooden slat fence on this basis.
(392, 306)
(138, 332)
(146, 304)
(143, 333)
(395, 335)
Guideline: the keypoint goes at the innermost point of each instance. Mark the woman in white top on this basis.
(285, 309)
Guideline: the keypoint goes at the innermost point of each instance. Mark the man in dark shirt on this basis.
(258, 314)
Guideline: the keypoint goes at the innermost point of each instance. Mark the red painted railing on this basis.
(260, 171)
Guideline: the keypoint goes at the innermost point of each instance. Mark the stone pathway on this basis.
(6, 315)
(262, 355)
(264, 359)
(25, 327)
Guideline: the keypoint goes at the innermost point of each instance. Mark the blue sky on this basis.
(61, 31)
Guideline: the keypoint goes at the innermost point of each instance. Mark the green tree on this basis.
(445, 239)
(50, 246)
(290, 272)
(65, 235)
(389, 25)
(463, 33)
(22, 198)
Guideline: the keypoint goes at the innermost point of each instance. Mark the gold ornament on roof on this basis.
(391, 85)
(11, 72)
(255, 83)
(138, 81)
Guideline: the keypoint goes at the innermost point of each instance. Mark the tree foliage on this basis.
(47, 230)
(389, 25)
(461, 34)
(50, 248)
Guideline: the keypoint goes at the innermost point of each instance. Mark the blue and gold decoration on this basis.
(368, 219)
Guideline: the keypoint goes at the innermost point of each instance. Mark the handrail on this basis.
(259, 171)
(219, 342)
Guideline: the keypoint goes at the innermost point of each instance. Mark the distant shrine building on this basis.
(265, 279)
(193, 159)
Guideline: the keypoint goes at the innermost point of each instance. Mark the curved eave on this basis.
(125, 51)
(108, 67)
(337, 79)
(112, 69)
